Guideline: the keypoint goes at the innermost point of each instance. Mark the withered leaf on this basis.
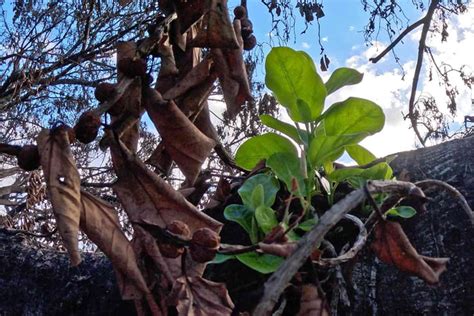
(196, 76)
(189, 12)
(99, 221)
(196, 296)
(280, 250)
(161, 160)
(63, 182)
(311, 303)
(150, 200)
(392, 246)
(215, 29)
(184, 142)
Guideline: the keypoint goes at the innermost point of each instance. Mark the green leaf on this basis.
(266, 218)
(292, 76)
(257, 196)
(360, 154)
(270, 187)
(343, 77)
(262, 263)
(380, 171)
(353, 116)
(328, 148)
(261, 147)
(285, 128)
(220, 258)
(402, 211)
(241, 215)
(307, 225)
(287, 166)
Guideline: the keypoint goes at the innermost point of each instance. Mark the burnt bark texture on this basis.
(37, 281)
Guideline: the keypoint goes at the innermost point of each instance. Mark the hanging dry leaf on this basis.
(392, 246)
(161, 160)
(150, 200)
(194, 77)
(196, 296)
(63, 182)
(189, 12)
(184, 142)
(311, 303)
(215, 29)
(233, 75)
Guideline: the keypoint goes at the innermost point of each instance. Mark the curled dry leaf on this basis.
(63, 182)
(196, 296)
(189, 12)
(160, 159)
(184, 142)
(99, 221)
(149, 199)
(392, 246)
(311, 302)
(215, 29)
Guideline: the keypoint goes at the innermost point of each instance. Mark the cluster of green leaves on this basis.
(297, 153)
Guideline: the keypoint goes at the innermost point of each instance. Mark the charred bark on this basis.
(40, 282)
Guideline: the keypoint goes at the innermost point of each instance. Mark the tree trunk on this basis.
(40, 282)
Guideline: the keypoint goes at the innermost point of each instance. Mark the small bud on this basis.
(87, 127)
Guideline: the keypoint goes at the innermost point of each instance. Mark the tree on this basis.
(179, 109)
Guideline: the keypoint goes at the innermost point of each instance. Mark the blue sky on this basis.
(343, 39)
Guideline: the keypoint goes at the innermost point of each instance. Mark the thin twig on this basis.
(458, 195)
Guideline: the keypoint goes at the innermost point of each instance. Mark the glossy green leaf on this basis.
(328, 148)
(221, 258)
(360, 154)
(270, 187)
(287, 166)
(261, 147)
(240, 214)
(380, 171)
(307, 225)
(262, 263)
(292, 76)
(353, 116)
(402, 211)
(285, 128)
(266, 218)
(343, 77)
(258, 196)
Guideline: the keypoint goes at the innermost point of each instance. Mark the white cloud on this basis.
(305, 45)
(352, 28)
(325, 39)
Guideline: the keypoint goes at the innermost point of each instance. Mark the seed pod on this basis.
(87, 127)
(179, 228)
(250, 42)
(202, 254)
(240, 12)
(104, 91)
(132, 67)
(28, 158)
(206, 237)
(246, 27)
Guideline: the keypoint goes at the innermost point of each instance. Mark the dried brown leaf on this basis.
(184, 142)
(161, 160)
(63, 182)
(189, 12)
(196, 296)
(150, 200)
(280, 250)
(392, 246)
(216, 28)
(311, 302)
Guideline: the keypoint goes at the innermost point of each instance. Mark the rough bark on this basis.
(40, 282)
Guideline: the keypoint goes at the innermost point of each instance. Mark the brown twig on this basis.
(462, 200)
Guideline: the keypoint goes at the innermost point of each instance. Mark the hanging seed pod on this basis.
(87, 127)
(104, 91)
(206, 237)
(28, 158)
(132, 68)
(246, 27)
(240, 12)
(202, 254)
(250, 42)
(172, 250)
